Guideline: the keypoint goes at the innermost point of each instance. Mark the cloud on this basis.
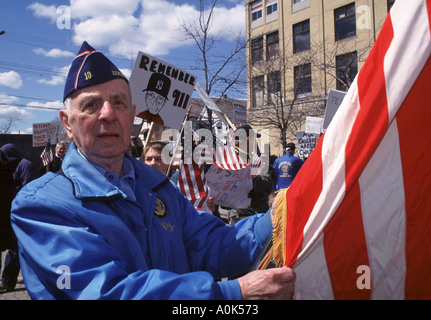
(11, 112)
(54, 81)
(54, 53)
(231, 20)
(10, 79)
(43, 11)
(83, 9)
(48, 106)
(58, 79)
(129, 26)
(126, 72)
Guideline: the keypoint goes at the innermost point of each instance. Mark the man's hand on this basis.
(270, 284)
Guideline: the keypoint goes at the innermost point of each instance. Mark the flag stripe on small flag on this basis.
(46, 156)
(360, 206)
(192, 184)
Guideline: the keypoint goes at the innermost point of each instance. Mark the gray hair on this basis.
(68, 103)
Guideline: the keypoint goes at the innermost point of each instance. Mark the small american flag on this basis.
(191, 178)
(227, 155)
(46, 156)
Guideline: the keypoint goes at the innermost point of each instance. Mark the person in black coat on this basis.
(16, 172)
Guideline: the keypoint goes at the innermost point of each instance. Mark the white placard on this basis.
(47, 131)
(313, 125)
(230, 188)
(160, 91)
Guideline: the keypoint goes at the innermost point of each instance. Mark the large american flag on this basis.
(359, 211)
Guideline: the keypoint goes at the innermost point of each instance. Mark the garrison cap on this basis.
(90, 67)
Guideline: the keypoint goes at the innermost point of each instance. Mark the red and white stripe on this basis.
(192, 183)
(226, 158)
(363, 196)
(46, 156)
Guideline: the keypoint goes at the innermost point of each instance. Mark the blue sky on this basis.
(38, 46)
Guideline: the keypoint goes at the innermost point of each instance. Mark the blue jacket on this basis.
(286, 167)
(80, 237)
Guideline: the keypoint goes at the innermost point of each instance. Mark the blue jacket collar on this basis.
(88, 182)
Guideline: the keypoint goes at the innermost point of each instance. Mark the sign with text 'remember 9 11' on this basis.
(160, 91)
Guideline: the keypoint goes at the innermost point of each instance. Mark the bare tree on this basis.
(280, 104)
(6, 125)
(223, 68)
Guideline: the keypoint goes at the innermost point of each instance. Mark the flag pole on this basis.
(179, 138)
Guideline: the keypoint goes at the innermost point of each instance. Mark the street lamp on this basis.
(2, 32)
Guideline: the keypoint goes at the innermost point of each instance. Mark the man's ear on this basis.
(64, 117)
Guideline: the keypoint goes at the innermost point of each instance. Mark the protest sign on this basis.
(305, 143)
(47, 131)
(313, 125)
(160, 91)
(230, 188)
(335, 98)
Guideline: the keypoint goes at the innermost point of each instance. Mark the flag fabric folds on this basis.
(358, 214)
(191, 174)
(46, 156)
(192, 183)
(228, 156)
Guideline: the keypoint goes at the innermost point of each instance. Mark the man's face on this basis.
(154, 101)
(60, 151)
(101, 121)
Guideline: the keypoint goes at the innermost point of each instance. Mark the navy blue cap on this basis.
(90, 67)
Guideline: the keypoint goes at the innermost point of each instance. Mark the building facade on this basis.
(300, 49)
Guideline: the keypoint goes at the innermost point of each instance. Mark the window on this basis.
(274, 87)
(258, 84)
(271, 6)
(272, 48)
(298, 5)
(303, 81)
(301, 36)
(257, 49)
(345, 22)
(256, 10)
(347, 68)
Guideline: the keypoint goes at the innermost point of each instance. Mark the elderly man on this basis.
(110, 227)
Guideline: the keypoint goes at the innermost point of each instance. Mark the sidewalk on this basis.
(20, 293)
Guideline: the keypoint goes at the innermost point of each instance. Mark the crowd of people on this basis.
(122, 229)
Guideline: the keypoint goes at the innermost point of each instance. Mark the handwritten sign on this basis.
(230, 188)
(160, 91)
(313, 125)
(305, 143)
(47, 131)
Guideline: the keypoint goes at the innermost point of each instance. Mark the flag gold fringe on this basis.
(277, 252)
(279, 222)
